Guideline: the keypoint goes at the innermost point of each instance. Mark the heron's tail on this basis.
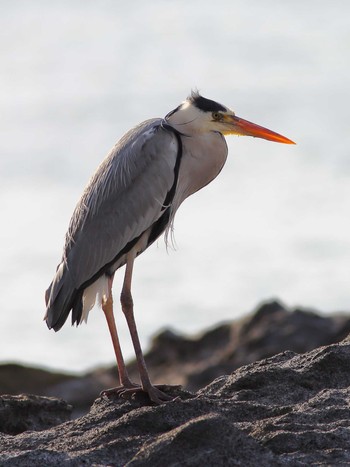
(61, 297)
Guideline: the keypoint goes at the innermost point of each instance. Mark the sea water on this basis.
(75, 75)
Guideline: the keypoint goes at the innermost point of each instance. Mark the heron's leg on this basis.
(107, 307)
(128, 308)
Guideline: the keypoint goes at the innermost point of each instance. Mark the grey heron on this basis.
(129, 202)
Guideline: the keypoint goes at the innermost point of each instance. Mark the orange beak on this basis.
(238, 126)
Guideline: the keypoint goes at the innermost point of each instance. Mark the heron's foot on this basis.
(156, 395)
(119, 389)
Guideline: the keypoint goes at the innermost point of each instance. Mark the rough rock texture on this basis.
(272, 328)
(289, 409)
(27, 412)
(192, 362)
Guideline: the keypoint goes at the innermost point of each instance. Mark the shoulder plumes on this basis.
(206, 105)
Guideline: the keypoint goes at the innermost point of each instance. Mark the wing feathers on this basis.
(123, 199)
(118, 208)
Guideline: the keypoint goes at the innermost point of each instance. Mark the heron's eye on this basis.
(216, 116)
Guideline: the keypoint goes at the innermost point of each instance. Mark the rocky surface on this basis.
(271, 329)
(28, 412)
(195, 361)
(289, 409)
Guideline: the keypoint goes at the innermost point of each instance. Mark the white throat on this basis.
(187, 119)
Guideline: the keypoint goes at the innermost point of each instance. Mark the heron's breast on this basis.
(202, 161)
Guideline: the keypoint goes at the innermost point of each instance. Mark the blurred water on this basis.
(75, 75)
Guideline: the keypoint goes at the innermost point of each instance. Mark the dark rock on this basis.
(195, 361)
(17, 379)
(287, 410)
(28, 412)
(79, 391)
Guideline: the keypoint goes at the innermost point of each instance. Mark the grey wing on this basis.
(123, 199)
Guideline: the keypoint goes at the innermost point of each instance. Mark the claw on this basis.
(118, 390)
(156, 395)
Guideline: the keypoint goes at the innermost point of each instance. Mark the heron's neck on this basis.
(204, 156)
(186, 121)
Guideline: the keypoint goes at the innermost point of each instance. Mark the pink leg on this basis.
(155, 394)
(107, 307)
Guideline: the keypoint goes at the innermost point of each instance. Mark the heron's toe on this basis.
(157, 396)
(119, 390)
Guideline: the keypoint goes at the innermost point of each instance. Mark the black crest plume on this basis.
(206, 105)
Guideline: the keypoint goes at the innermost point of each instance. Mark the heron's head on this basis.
(200, 115)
